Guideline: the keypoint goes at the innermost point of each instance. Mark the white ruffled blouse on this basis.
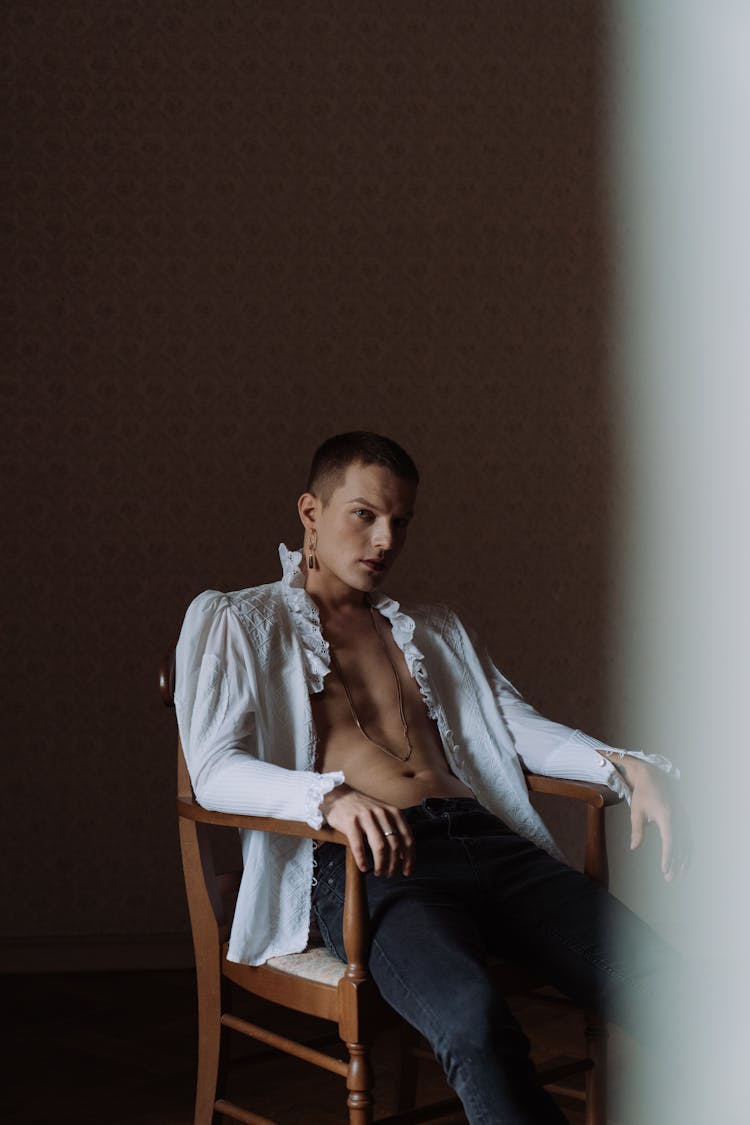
(247, 663)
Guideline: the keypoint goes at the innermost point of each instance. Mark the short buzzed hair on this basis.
(360, 447)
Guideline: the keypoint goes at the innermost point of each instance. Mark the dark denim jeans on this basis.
(479, 888)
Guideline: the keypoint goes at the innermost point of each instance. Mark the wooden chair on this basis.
(317, 983)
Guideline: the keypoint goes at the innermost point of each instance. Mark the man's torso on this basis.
(398, 771)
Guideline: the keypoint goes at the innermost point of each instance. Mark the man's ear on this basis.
(308, 506)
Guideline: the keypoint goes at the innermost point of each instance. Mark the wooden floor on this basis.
(120, 1049)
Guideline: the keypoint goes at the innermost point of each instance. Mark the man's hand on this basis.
(651, 803)
(363, 820)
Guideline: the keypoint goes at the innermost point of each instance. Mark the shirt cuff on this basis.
(322, 783)
(581, 757)
(658, 761)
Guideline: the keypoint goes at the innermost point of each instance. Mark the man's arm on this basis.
(645, 781)
(215, 701)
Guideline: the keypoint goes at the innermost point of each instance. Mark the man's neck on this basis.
(334, 599)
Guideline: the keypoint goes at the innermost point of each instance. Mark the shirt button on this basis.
(602, 761)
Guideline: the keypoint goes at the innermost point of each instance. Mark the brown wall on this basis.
(234, 229)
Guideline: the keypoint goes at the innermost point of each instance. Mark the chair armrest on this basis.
(596, 798)
(189, 808)
(595, 795)
(356, 917)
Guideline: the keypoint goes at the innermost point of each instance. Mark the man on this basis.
(318, 698)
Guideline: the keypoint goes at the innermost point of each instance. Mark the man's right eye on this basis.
(363, 513)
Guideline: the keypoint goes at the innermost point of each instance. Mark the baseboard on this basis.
(81, 953)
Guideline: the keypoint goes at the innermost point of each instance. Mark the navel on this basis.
(408, 773)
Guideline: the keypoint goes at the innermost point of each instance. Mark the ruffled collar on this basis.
(315, 647)
(293, 581)
(306, 618)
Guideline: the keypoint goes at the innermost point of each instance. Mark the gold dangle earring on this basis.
(311, 555)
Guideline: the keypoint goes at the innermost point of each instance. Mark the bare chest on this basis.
(369, 683)
(372, 722)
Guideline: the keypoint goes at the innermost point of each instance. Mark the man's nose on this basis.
(383, 537)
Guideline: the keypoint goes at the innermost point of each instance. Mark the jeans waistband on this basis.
(433, 807)
(431, 817)
(430, 809)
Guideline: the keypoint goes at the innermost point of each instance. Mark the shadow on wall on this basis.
(238, 230)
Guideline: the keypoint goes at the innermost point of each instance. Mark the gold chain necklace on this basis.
(355, 716)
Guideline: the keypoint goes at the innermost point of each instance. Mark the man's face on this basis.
(362, 529)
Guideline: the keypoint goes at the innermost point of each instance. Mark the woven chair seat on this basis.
(314, 964)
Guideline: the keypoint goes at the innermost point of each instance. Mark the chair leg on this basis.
(212, 1049)
(359, 1084)
(222, 1072)
(596, 1079)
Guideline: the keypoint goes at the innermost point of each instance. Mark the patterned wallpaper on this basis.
(234, 228)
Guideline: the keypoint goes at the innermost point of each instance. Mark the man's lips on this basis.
(376, 565)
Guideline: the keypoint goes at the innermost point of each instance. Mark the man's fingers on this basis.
(381, 852)
(636, 828)
(391, 841)
(393, 854)
(652, 804)
(356, 843)
(398, 837)
(407, 841)
(372, 830)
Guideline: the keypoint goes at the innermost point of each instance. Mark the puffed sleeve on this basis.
(555, 750)
(216, 703)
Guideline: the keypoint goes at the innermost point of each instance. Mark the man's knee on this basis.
(472, 1020)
